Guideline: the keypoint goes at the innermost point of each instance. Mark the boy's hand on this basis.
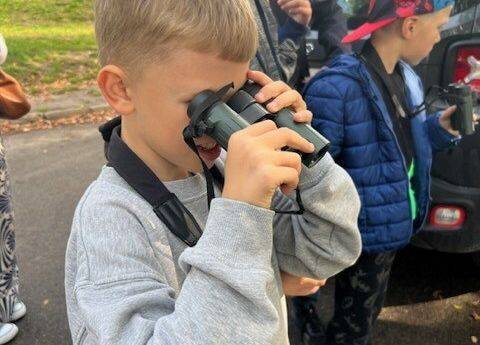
(446, 120)
(283, 96)
(299, 10)
(297, 286)
(255, 165)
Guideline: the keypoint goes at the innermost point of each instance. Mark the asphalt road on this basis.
(430, 299)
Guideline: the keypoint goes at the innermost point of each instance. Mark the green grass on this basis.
(51, 43)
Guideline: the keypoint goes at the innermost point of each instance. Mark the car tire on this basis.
(476, 258)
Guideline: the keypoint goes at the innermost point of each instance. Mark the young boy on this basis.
(369, 106)
(129, 279)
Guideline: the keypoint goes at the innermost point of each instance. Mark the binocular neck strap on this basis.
(208, 174)
(136, 173)
(398, 96)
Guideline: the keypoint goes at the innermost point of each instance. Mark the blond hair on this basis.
(131, 33)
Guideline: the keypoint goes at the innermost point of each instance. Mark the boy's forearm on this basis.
(325, 239)
(229, 294)
(230, 275)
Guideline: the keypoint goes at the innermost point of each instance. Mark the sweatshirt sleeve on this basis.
(227, 297)
(325, 239)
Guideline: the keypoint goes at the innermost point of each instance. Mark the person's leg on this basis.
(307, 319)
(8, 263)
(359, 296)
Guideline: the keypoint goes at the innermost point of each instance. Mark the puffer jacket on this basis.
(349, 110)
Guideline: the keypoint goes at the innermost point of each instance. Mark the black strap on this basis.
(398, 97)
(137, 174)
(208, 174)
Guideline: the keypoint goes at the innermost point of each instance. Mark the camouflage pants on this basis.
(359, 296)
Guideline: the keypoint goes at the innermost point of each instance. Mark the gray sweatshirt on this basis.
(129, 280)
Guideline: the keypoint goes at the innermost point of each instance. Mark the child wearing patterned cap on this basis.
(369, 106)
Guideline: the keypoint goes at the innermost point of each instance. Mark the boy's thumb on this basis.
(450, 111)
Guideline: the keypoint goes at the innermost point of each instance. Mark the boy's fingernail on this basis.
(260, 97)
(273, 106)
(312, 147)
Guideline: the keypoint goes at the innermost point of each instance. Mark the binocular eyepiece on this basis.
(211, 115)
(465, 99)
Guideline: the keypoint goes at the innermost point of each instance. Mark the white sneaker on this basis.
(8, 331)
(19, 311)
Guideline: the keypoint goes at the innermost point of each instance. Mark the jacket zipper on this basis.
(375, 99)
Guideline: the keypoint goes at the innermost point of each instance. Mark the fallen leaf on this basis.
(46, 301)
(475, 315)
(457, 306)
(474, 339)
(476, 303)
(101, 116)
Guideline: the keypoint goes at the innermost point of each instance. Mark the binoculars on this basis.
(465, 99)
(210, 115)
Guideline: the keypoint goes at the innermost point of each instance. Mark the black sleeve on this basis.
(331, 24)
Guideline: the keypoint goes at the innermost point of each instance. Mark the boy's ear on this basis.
(112, 81)
(409, 27)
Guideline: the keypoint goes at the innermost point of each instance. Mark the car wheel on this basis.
(476, 258)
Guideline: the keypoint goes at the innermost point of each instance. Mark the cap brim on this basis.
(366, 29)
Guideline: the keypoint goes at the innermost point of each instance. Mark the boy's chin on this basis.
(415, 61)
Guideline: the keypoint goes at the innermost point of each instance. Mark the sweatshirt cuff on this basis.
(292, 30)
(312, 176)
(237, 234)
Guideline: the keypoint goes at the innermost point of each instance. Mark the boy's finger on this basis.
(259, 128)
(282, 137)
(300, 10)
(293, 4)
(286, 99)
(314, 282)
(282, 2)
(287, 179)
(288, 159)
(304, 116)
(449, 111)
(271, 90)
(259, 77)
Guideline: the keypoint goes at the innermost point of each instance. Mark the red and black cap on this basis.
(383, 12)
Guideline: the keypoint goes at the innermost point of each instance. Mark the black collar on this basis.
(138, 175)
(370, 57)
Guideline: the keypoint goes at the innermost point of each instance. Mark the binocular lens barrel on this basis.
(244, 103)
(464, 98)
(209, 115)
